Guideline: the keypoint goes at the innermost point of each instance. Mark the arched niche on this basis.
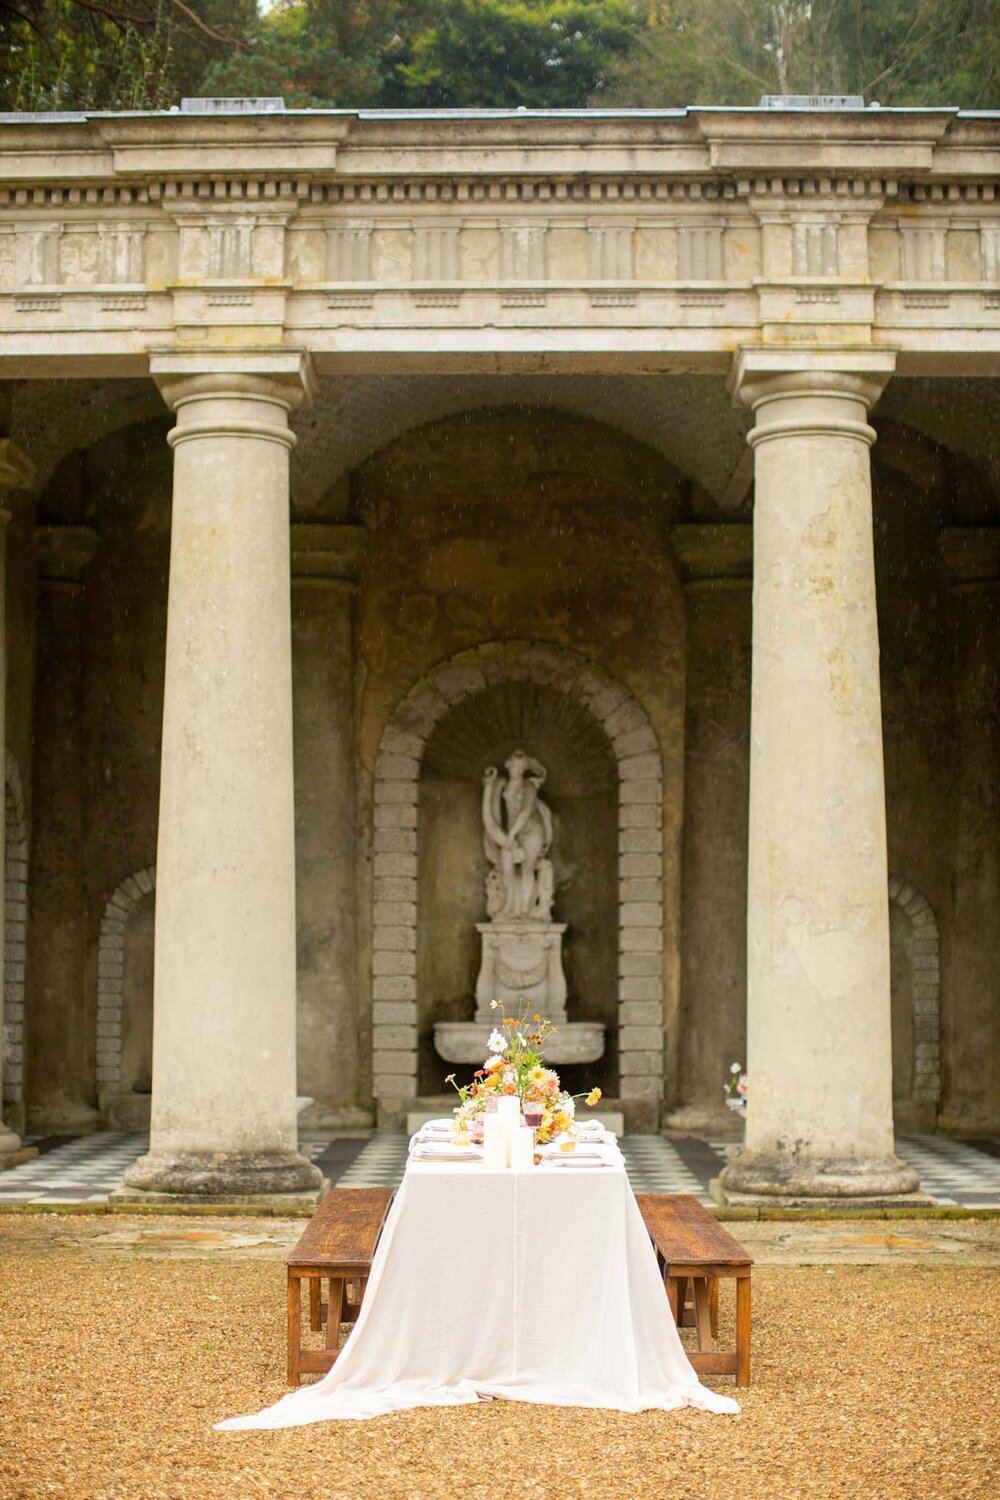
(15, 935)
(125, 1002)
(915, 980)
(574, 686)
(581, 789)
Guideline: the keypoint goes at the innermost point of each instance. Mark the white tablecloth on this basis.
(537, 1286)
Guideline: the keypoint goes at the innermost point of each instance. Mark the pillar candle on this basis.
(522, 1149)
(494, 1143)
(509, 1111)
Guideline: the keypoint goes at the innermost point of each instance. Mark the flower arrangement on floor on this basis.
(736, 1088)
(515, 1066)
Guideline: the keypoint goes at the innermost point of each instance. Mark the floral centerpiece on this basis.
(515, 1066)
(736, 1088)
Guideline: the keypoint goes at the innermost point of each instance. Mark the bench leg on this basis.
(713, 1304)
(702, 1316)
(334, 1310)
(315, 1304)
(294, 1328)
(670, 1283)
(682, 1292)
(743, 1330)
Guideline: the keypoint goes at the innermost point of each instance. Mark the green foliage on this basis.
(544, 54)
(112, 54)
(899, 52)
(141, 54)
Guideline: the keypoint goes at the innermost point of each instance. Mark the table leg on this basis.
(743, 1330)
(294, 1327)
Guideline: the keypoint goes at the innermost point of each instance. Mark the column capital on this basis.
(64, 552)
(17, 472)
(215, 391)
(854, 372)
(328, 553)
(713, 554)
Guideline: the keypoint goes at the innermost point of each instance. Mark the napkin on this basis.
(575, 1159)
(443, 1151)
(592, 1130)
(437, 1127)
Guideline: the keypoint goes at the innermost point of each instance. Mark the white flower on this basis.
(522, 1039)
(494, 1004)
(497, 1041)
(492, 1063)
(734, 1067)
(568, 1106)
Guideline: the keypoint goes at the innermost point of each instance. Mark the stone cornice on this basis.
(735, 143)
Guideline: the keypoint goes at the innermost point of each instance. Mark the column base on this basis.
(760, 1179)
(13, 1152)
(719, 1123)
(214, 1175)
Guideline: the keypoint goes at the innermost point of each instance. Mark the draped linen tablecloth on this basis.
(537, 1286)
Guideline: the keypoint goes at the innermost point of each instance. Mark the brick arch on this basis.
(640, 841)
(111, 974)
(926, 989)
(15, 932)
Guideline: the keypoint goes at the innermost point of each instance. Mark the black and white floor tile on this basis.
(85, 1169)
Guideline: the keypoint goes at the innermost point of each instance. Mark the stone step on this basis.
(611, 1119)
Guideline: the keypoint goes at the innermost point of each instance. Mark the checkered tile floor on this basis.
(84, 1169)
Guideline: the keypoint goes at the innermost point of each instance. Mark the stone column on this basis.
(61, 1042)
(16, 473)
(715, 563)
(819, 1124)
(971, 1018)
(223, 1118)
(327, 558)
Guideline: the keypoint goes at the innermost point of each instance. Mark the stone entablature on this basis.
(658, 237)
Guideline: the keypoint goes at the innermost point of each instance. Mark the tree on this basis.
(432, 53)
(112, 54)
(543, 54)
(912, 52)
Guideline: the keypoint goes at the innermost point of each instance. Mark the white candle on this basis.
(494, 1143)
(522, 1149)
(509, 1111)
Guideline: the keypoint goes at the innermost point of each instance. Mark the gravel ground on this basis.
(873, 1382)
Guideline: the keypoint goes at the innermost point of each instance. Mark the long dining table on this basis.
(537, 1286)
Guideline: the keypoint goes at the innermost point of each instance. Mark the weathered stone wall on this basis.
(531, 525)
(514, 524)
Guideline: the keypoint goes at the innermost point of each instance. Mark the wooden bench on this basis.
(337, 1247)
(693, 1249)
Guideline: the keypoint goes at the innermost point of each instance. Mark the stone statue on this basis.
(522, 961)
(517, 836)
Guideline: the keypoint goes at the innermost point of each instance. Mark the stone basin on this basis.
(573, 1042)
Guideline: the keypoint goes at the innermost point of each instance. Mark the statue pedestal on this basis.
(465, 1041)
(522, 960)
